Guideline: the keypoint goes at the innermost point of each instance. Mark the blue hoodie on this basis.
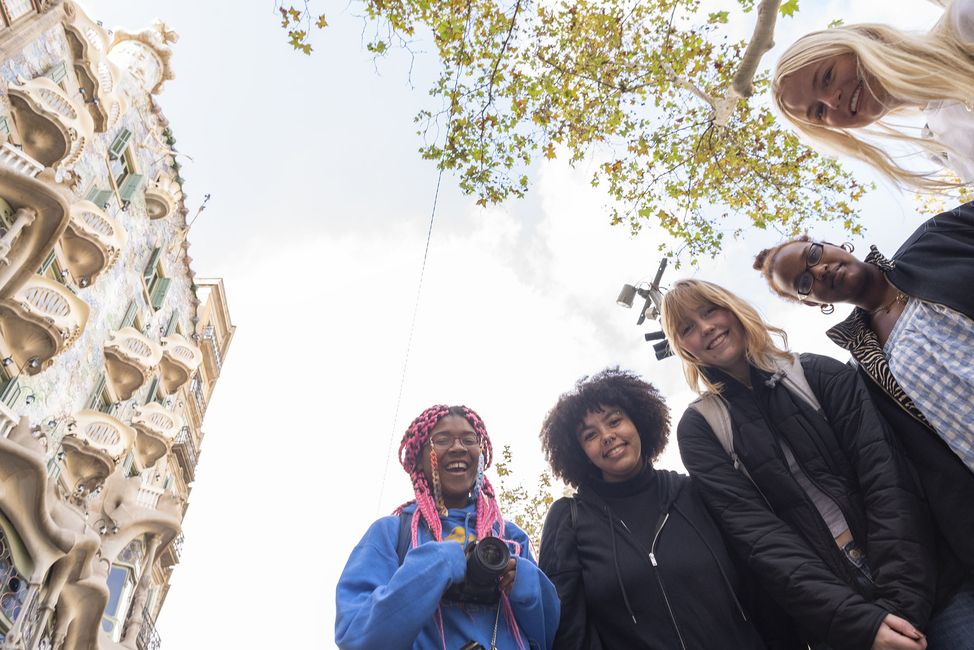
(381, 604)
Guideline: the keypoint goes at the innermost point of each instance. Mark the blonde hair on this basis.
(914, 69)
(688, 296)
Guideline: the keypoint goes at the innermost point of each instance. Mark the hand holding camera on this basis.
(490, 568)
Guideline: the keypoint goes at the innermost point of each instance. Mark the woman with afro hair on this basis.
(637, 560)
(406, 584)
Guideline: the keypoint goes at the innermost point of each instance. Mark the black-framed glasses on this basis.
(443, 441)
(806, 280)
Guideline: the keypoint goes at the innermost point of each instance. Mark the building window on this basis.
(98, 196)
(101, 399)
(52, 269)
(121, 584)
(131, 313)
(58, 73)
(13, 586)
(123, 166)
(9, 387)
(14, 9)
(156, 284)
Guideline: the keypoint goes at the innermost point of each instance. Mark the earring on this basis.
(848, 247)
(827, 308)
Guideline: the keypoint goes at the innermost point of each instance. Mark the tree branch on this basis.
(761, 41)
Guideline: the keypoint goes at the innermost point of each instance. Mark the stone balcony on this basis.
(180, 359)
(38, 215)
(53, 130)
(14, 158)
(96, 74)
(91, 243)
(162, 197)
(93, 448)
(130, 359)
(41, 320)
(157, 430)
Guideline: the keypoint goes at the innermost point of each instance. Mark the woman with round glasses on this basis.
(635, 555)
(801, 473)
(912, 337)
(434, 575)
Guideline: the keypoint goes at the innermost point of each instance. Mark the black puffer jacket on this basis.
(851, 457)
(650, 571)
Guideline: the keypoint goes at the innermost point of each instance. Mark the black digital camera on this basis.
(486, 561)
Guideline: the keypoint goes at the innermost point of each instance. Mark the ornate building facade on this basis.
(110, 347)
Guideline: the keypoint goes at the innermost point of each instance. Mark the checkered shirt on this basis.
(931, 354)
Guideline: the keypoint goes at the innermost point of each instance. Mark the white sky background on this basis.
(317, 223)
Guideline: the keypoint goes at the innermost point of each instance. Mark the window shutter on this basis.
(119, 143)
(47, 262)
(11, 391)
(129, 185)
(159, 289)
(57, 73)
(127, 463)
(168, 482)
(171, 325)
(95, 400)
(149, 273)
(129, 315)
(153, 387)
(98, 196)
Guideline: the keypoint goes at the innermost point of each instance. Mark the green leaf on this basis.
(788, 8)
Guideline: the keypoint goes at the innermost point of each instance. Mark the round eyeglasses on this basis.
(806, 280)
(443, 441)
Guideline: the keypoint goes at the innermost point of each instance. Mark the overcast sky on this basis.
(317, 223)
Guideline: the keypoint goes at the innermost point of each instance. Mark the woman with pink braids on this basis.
(445, 571)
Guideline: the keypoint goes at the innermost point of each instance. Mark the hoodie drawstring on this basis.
(615, 561)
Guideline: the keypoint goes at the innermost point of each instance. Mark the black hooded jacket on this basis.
(641, 564)
(849, 455)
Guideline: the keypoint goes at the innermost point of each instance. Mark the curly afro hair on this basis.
(612, 387)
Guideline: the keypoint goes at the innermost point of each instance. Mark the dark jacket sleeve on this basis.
(558, 558)
(899, 540)
(784, 563)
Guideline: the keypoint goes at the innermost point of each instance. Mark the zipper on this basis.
(659, 578)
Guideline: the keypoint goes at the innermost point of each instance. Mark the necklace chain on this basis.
(899, 297)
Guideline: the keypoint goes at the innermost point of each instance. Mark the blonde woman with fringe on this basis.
(803, 477)
(847, 89)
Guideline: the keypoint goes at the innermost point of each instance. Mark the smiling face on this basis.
(836, 276)
(610, 440)
(456, 463)
(715, 337)
(834, 92)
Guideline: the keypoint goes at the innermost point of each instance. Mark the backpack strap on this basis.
(795, 381)
(405, 536)
(714, 410)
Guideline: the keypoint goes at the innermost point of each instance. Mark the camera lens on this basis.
(492, 555)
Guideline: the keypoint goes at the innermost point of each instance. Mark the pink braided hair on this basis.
(429, 501)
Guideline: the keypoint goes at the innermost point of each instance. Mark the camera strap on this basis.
(497, 618)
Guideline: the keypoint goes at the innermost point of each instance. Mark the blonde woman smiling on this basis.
(801, 474)
(844, 89)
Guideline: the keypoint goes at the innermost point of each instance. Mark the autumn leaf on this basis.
(788, 8)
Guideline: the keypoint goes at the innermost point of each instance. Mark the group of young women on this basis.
(828, 505)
